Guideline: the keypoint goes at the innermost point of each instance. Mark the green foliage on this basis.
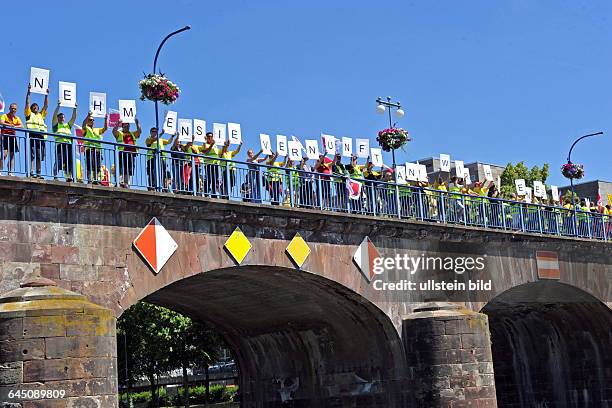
(159, 341)
(520, 171)
(197, 395)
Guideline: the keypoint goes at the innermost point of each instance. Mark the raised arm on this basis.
(138, 131)
(86, 120)
(105, 125)
(116, 130)
(55, 112)
(237, 149)
(73, 117)
(45, 104)
(225, 147)
(26, 109)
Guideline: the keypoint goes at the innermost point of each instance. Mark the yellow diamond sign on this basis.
(238, 245)
(298, 250)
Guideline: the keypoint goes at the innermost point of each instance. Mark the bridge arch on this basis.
(297, 336)
(550, 346)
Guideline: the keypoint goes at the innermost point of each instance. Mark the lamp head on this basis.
(380, 108)
(399, 113)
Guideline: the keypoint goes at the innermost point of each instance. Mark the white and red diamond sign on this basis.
(155, 245)
(364, 258)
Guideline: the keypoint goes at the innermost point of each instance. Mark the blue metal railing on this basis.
(114, 164)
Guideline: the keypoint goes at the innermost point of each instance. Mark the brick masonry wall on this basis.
(449, 359)
(53, 343)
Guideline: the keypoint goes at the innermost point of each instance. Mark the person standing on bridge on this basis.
(127, 154)
(35, 120)
(211, 166)
(251, 188)
(8, 139)
(151, 143)
(228, 165)
(93, 147)
(63, 142)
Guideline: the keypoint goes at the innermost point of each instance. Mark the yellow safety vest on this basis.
(63, 129)
(92, 134)
(36, 121)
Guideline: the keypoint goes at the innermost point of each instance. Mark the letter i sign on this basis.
(155, 245)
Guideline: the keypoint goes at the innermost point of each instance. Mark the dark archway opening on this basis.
(551, 346)
(300, 340)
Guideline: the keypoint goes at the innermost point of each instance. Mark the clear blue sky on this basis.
(480, 80)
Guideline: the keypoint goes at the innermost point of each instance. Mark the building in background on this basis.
(590, 190)
(476, 170)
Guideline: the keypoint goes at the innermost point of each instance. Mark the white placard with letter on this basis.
(376, 156)
(266, 145)
(281, 145)
(312, 149)
(199, 131)
(528, 194)
(488, 173)
(459, 170)
(234, 133)
(554, 192)
(97, 104)
(219, 133)
(422, 171)
(39, 80)
(362, 148)
(170, 122)
(127, 110)
(521, 188)
(185, 130)
(329, 143)
(538, 189)
(445, 162)
(400, 174)
(67, 94)
(467, 179)
(347, 147)
(412, 172)
(294, 149)
(295, 139)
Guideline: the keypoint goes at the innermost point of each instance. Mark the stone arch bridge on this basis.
(315, 335)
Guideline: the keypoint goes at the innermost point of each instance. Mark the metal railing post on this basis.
(465, 210)
(228, 178)
(320, 192)
(540, 219)
(397, 201)
(522, 217)
(290, 182)
(503, 212)
(116, 158)
(194, 177)
(26, 154)
(73, 149)
(420, 204)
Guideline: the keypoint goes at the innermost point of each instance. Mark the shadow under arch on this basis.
(301, 340)
(551, 346)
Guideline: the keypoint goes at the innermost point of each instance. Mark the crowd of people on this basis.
(211, 170)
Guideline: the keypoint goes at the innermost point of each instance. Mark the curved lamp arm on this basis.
(162, 44)
(569, 155)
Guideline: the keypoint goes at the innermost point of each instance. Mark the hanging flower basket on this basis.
(156, 87)
(572, 171)
(393, 138)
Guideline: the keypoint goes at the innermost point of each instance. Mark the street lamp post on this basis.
(569, 160)
(388, 105)
(158, 175)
